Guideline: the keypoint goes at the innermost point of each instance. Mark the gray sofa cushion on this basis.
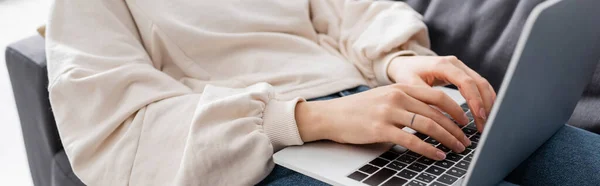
(586, 113)
(62, 173)
(26, 64)
(483, 34)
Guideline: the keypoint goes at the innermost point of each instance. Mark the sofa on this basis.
(481, 33)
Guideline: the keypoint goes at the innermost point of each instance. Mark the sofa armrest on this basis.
(26, 64)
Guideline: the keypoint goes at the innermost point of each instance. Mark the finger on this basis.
(487, 93)
(488, 101)
(439, 99)
(467, 87)
(450, 133)
(416, 80)
(409, 141)
(434, 124)
(493, 92)
(436, 131)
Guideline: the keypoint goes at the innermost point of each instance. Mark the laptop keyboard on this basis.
(409, 168)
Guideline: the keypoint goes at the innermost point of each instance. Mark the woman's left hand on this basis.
(442, 70)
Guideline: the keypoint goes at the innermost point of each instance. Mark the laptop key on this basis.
(406, 159)
(414, 154)
(425, 177)
(456, 172)
(407, 174)
(389, 155)
(447, 179)
(443, 148)
(469, 115)
(467, 151)
(398, 149)
(358, 176)
(421, 136)
(435, 170)
(432, 141)
(463, 164)
(369, 169)
(415, 183)
(453, 157)
(379, 162)
(465, 107)
(426, 161)
(469, 157)
(437, 184)
(444, 163)
(469, 131)
(417, 167)
(474, 138)
(472, 124)
(396, 165)
(395, 181)
(473, 146)
(380, 176)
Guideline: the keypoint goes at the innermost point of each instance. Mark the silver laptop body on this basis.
(556, 55)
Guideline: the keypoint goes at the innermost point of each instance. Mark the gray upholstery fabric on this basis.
(26, 64)
(587, 112)
(586, 115)
(62, 173)
(483, 34)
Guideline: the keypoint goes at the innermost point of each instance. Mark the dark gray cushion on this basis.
(586, 114)
(62, 173)
(483, 34)
(26, 64)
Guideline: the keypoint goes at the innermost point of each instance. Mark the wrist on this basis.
(391, 68)
(309, 122)
(394, 61)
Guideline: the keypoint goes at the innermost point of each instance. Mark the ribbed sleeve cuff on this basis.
(380, 66)
(279, 123)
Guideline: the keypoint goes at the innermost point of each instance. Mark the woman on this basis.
(204, 92)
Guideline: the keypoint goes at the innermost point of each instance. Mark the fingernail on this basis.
(465, 139)
(440, 155)
(465, 118)
(482, 114)
(460, 146)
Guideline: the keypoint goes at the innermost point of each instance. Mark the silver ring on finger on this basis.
(412, 120)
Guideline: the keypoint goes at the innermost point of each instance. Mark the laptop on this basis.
(555, 57)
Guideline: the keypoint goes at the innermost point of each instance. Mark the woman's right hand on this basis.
(379, 114)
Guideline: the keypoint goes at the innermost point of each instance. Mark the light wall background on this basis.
(18, 19)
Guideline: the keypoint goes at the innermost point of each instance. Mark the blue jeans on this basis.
(570, 157)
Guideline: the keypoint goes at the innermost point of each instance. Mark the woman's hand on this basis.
(436, 70)
(378, 115)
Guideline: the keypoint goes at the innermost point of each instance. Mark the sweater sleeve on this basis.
(124, 122)
(370, 33)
